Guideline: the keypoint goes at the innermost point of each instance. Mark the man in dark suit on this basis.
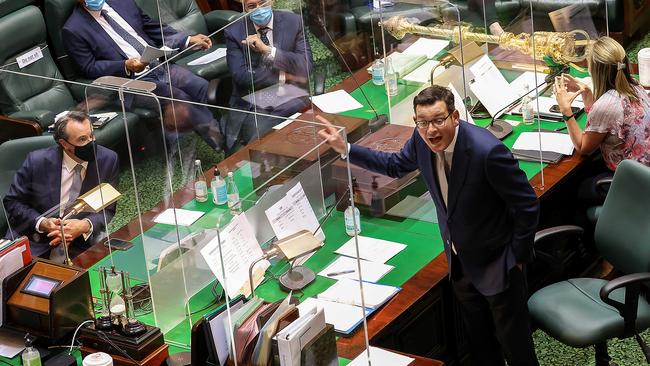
(51, 179)
(280, 60)
(487, 213)
(108, 38)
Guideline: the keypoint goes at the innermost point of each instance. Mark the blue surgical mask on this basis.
(262, 15)
(95, 5)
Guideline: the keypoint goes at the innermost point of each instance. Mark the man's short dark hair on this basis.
(432, 94)
(60, 130)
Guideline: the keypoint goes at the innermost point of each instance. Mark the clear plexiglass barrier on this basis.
(213, 171)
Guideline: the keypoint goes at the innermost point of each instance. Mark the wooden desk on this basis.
(421, 319)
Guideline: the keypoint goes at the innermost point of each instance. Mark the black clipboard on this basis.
(210, 350)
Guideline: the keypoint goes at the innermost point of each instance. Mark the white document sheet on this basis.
(422, 75)
(518, 86)
(152, 53)
(374, 250)
(336, 102)
(341, 267)
(347, 291)
(292, 214)
(11, 344)
(460, 106)
(343, 317)
(209, 57)
(489, 86)
(426, 46)
(381, 357)
(239, 249)
(287, 121)
(556, 142)
(182, 218)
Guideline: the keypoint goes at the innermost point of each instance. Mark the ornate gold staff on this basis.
(560, 46)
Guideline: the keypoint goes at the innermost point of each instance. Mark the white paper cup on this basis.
(98, 359)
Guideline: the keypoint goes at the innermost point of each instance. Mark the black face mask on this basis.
(86, 152)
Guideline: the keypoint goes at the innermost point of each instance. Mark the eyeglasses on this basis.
(250, 7)
(438, 122)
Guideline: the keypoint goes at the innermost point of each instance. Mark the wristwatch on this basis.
(566, 118)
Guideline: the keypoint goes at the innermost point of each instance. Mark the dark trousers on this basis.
(184, 86)
(498, 325)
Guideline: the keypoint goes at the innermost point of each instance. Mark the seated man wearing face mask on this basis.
(51, 179)
(265, 49)
(108, 38)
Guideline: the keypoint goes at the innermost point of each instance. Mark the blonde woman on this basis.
(618, 109)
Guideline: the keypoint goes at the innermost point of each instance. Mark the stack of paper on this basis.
(427, 47)
(178, 216)
(544, 141)
(404, 63)
(346, 267)
(343, 317)
(210, 57)
(335, 102)
(347, 291)
(374, 250)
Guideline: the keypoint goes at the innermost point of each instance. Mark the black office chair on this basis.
(581, 312)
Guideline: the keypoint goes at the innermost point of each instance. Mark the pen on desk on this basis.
(340, 273)
(560, 129)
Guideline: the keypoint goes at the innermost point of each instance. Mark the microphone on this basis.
(500, 128)
(380, 119)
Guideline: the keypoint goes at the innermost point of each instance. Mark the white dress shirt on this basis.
(443, 184)
(125, 46)
(67, 176)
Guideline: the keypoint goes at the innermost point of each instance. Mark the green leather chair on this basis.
(581, 312)
(39, 98)
(185, 15)
(13, 155)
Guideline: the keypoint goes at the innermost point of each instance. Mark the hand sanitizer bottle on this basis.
(200, 185)
(378, 71)
(30, 355)
(218, 186)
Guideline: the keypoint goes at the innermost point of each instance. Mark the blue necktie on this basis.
(130, 39)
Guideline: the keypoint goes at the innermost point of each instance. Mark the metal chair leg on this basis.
(602, 357)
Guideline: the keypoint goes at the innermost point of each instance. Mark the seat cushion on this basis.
(571, 311)
(212, 70)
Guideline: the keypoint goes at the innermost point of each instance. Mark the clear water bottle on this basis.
(527, 112)
(349, 215)
(378, 71)
(234, 203)
(218, 186)
(200, 184)
(391, 78)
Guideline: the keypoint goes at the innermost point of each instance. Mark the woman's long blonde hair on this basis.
(609, 68)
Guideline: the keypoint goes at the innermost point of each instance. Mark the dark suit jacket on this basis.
(493, 211)
(96, 52)
(291, 49)
(37, 187)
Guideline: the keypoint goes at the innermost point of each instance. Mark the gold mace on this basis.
(560, 46)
